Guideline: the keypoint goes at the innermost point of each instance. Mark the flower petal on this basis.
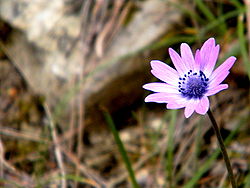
(197, 59)
(223, 68)
(206, 51)
(202, 106)
(187, 56)
(177, 61)
(164, 72)
(218, 79)
(177, 104)
(161, 87)
(216, 89)
(162, 97)
(190, 107)
(212, 58)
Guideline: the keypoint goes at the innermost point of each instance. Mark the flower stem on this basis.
(223, 149)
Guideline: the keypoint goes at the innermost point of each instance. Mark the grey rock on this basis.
(48, 48)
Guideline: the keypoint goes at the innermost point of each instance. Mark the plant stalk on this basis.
(223, 149)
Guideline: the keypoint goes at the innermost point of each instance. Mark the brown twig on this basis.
(58, 153)
(100, 182)
(85, 40)
(4, 165)
(22, 135)
(108, 28)
(68, 135)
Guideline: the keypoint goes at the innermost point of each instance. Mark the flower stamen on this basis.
(193, 85)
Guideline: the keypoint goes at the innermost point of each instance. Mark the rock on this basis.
(49, 47)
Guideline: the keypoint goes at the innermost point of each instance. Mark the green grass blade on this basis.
(237, 4)
(170, 148)
(243, 43)
(205, 10)
(184, 9)
(220, 20)
(209, 15)
(173, 40)
(247, 181)
(121, 149)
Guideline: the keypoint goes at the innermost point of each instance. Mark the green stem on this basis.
(223, 149)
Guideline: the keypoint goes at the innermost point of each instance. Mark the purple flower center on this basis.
(193, 85)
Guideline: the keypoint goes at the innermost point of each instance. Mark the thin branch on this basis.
(58, 153)
(22, 135)
(23, 178)
(72, 130)
(100, 182)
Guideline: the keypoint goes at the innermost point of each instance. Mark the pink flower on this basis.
(193, 80)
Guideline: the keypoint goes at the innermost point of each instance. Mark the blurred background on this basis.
(70, 70)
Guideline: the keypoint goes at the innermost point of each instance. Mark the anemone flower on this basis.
(193, 80)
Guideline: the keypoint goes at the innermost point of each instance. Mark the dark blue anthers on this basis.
(193, 85)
